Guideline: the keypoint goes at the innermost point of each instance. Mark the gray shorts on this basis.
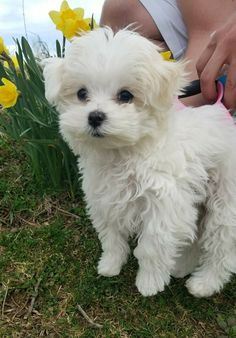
(169, 21)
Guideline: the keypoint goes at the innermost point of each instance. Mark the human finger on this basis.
(210, 73)
(206, 55)
(230, 87)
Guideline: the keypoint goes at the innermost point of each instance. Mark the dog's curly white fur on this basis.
(146, 167)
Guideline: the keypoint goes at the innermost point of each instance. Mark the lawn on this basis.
(48, 257)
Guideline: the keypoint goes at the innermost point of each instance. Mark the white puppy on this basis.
(147, 166)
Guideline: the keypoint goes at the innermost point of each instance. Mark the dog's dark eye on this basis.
(82, 94)
(124, 96)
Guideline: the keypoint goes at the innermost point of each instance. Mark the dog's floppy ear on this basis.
(52, 71)
(174, 76)
(168, 79)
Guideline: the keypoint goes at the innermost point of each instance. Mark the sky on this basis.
(38, 22)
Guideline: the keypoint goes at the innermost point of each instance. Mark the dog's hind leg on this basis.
(189, 256)
(218, 258)
(187, 261)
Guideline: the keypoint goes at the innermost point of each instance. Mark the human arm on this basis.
(220, 51)
(202, 18)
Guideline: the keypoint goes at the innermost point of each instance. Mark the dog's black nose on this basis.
(96, 118)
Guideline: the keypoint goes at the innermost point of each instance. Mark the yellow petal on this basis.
(85, 24)
(15, 61)
(55, 16)
(89, 23)
(1, 45)
(3, 48)
(68, 14)
(8, 94)
(64, 6)
(70, 28)
(167, 56)
(7, 82)
(60, 26)
(79, 13)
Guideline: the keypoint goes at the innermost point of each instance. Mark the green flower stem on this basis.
(63, 46)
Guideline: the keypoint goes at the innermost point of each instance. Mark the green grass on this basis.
(48, 254)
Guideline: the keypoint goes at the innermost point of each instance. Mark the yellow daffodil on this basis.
(167, 56)
(3, 48)
(70, 21)
(15, 62)
(8, 94)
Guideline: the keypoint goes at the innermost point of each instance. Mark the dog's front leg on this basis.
(115, 250)
(154, 265)
(165, 228)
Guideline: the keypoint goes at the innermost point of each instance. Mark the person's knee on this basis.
(118, 13)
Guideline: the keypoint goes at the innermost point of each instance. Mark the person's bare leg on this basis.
(118, 14)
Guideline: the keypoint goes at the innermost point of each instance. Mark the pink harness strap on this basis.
(220, 91)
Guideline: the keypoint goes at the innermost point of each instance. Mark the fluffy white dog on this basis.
(147, 166)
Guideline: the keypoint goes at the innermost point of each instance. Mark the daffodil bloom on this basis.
(15, 62)
(70, 21)
(3, 48)
(167, 56)
(8, 94)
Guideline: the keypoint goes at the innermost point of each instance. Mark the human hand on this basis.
(220, 51)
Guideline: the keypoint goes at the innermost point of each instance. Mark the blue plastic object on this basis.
(194, 87)
(222, 79)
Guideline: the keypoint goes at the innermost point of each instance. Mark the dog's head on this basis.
(111, 89)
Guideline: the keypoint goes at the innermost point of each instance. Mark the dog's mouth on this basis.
(96, 133)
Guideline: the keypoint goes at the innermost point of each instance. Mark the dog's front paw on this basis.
(109, 265)
(149, 283)
(202, 286)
